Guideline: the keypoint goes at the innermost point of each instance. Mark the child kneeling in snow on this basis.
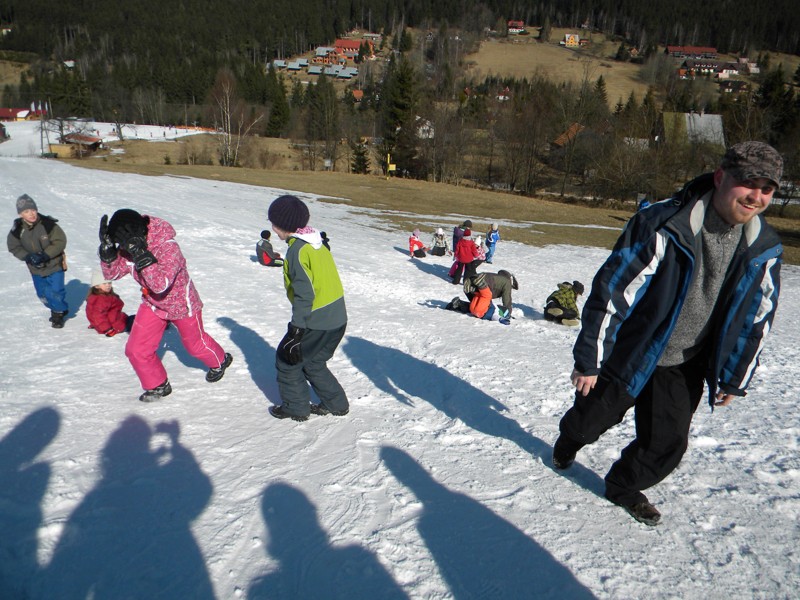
(561, 306)
(481, 289)
(104, 308)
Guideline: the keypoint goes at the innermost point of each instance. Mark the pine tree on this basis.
(360, 163)
(280, 113)
(399, 100)
(600, 90)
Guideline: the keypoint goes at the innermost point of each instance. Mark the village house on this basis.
(327, 55)
(516, 27)
(571, 40)
(693, 127)
(566, 137)
(749, 66)
(694, 52)
(350, 48)
(734, 87)
(13, 114)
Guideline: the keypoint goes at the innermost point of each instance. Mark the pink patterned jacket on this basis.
(166, 285)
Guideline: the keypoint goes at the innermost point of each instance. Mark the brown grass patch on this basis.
(10, 72)
(524, 56)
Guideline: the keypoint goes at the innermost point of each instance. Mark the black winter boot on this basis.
(158, 392)
(57, 319)
(216, 373)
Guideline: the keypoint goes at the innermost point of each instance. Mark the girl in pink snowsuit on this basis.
(145, 247)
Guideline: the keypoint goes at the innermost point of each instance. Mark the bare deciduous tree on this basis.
(231, 117)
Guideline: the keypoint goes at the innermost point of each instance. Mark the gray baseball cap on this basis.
(752, 160)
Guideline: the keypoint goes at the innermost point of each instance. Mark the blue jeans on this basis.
(490, 252)
(51, 292)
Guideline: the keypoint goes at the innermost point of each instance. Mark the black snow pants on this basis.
(663, 414)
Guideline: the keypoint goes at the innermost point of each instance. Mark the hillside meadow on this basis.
(523, 56)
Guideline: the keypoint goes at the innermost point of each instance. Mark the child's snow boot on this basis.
(216, 373)
(158, 392)
(57, 318)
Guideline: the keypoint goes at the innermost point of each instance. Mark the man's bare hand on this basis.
(724, 399)
(583, 383)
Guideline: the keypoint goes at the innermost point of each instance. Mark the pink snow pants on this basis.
(148, 329)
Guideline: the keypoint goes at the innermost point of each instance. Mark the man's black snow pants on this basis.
(663, 414)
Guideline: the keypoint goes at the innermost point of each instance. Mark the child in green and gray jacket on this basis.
(319, 317)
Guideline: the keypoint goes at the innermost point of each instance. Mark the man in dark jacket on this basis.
(688, 294)
(38, 241)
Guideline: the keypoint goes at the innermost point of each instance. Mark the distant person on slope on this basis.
(145, 247)
(562, 305)
(416, 249)
(439, 245)
(265, 253)
(458, 232)
(39, 242)
(481, 289)
(492, 237)
(104, 308)
(319, 317)
(465, 254)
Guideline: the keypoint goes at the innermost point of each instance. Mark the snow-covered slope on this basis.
(438, 483)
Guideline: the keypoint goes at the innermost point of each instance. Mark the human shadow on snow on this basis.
(76, 292)
(24, 482)
(171, 342)
(258, 355)
(478, 553)
(310, 566)
(393, 371)
(433, 268)
(130, 537)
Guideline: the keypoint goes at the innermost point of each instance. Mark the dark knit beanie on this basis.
(288, 213)
(123, 217)
(578, 287)
(265, 234)
(25, 202)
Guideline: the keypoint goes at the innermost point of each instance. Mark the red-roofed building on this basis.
(516, 27)
(696, 52)
(350, 48)
(13, 114)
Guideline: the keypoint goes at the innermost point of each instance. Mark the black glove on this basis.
(107, 251)
(136, 245)
(37, 259)
(289, 350)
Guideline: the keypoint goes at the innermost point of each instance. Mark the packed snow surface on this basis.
(438, 484)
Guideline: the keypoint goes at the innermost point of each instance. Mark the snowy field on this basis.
(438, 483)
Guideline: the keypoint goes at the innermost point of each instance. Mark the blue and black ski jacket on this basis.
(638, 293)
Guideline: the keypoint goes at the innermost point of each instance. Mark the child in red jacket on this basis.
(104, 308)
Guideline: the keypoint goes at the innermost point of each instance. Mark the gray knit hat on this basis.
(753, 160)
(25, 202)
